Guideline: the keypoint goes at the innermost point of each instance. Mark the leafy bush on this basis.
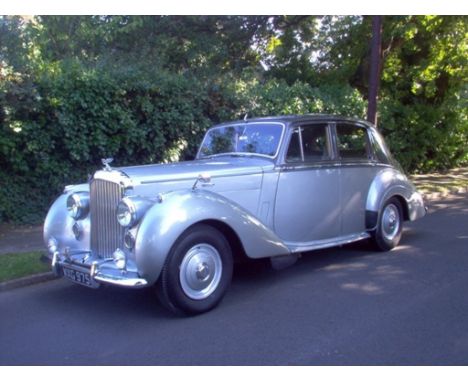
(58, 122)
(425, 137)
(57, 132)
(63, 120)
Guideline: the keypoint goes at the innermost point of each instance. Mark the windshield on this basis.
(251, 138)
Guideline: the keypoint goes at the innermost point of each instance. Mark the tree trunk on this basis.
(374, 70)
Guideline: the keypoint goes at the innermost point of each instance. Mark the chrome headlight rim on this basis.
(78, 205)
(126, 213)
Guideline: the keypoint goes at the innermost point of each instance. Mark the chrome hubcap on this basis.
(200, 271)
(390, 222)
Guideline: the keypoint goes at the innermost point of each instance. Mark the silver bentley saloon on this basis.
(258, 188)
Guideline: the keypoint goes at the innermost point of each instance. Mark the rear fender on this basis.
(387, 184)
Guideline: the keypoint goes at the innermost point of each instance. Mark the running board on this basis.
(295, 247)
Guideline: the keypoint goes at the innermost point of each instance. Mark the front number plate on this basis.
(79, 277)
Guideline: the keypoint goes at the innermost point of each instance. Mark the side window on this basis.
(314, 140)
(308, 144)
(380, 150)
(352, 142)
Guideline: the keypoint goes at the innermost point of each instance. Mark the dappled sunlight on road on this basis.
(402, 247)
(345, 267)
(456, 204)
(367, 288)
(366, 278)
(388, 271)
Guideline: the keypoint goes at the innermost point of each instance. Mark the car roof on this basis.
(295, 118)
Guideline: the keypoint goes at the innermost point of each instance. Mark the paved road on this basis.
(20, 239)
(335, 307)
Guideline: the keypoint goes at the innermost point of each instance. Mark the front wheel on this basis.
(390, 225)
(197, 272)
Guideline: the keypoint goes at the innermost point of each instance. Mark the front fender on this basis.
(163, 224)
(58, 224)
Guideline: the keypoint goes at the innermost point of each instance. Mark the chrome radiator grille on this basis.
(106, 233)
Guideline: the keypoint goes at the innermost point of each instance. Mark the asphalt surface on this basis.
(20, 239)
(342, 306)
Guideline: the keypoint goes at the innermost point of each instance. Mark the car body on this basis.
(269, 187)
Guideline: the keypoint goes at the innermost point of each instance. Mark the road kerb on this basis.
(26, 281)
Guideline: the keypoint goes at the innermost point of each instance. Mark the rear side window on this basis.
(381, 152)
(308, 144)
(352, 142)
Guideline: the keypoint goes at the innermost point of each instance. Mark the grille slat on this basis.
(106, 233)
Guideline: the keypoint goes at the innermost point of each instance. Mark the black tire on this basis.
(388, 235)
(201, 255)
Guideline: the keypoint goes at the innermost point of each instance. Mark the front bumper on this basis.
(96, 271)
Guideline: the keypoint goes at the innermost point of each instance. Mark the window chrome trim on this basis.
(301, 143)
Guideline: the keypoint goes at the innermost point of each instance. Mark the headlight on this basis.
(131, 209)
(126, 213)
(78, 205)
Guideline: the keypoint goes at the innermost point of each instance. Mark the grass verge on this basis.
(16, 265)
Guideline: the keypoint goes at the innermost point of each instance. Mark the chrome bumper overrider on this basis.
(416, 207)
(101, 271)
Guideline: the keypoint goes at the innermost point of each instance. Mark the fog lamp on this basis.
(129, 240)
(77, 230)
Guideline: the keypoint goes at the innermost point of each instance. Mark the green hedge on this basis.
(57, 124)
(425, 137)
(57, 132)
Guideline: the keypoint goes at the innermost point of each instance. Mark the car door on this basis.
(358, 169)
(307, 206)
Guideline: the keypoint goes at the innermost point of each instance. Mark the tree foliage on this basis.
(74, 89)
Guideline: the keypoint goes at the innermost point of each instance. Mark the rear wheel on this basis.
(390, 225)
(197, 272)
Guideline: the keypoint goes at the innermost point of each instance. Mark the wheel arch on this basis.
(238, 251)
